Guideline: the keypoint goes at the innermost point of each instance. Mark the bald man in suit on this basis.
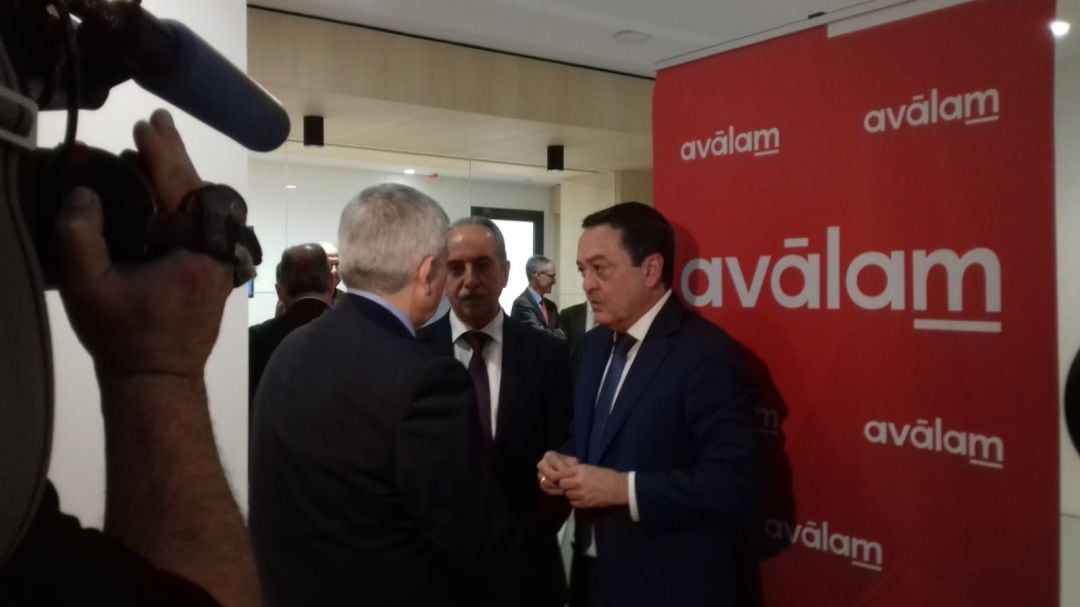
(304, 287)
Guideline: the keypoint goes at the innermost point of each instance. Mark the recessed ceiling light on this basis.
(1059, 28)
(632, 36)
(410, 171)
(290, 187)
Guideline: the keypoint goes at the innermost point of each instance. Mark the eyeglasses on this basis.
(548, 274)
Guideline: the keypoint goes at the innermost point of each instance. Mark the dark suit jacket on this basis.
(370, 482)
(533, 417)
(264, 338)
(683, 422)
(572, 321)
(527, 311)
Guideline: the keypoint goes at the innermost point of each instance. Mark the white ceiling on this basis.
(581, 31)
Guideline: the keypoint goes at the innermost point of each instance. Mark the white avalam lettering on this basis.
(809, 267)
(972, 108)
(955, 267)
(714, 292)
(893, 294)
(925, 435)
(748, 294)
(838, 281)
(822, 538)
(726, 142)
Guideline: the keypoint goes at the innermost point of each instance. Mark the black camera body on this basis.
(67, 55)
(47, 176)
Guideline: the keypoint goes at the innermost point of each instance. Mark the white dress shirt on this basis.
(638, 331)
(492, 355)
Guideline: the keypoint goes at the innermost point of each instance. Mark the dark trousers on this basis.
(584, 586)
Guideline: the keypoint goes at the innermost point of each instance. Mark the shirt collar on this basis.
(494, 329)
(376, 298)
(321, 298)
(536, 297)
(641, 328)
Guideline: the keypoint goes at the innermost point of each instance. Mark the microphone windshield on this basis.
(206, 85)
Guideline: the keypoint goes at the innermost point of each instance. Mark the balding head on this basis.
(332, 255)
(304, 271)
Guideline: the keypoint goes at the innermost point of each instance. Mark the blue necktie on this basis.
(606, 398)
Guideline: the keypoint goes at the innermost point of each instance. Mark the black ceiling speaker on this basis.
(313, 131)
(555, 158)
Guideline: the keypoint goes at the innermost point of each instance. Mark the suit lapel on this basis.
(509, 386)
(553, 314)
(596, 350)
(650, 355)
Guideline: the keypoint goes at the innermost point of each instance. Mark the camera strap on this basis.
(18, 119)
(26, 376)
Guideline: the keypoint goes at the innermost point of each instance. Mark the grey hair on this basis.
(386, 232)
(489, 225)
(535, 264)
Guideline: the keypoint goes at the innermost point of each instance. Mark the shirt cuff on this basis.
(631, 495)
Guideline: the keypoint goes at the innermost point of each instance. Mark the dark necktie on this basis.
(478, 371)
(606, 398)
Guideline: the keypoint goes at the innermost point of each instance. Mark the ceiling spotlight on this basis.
(631, 37)
(555, 158)
(1059, 28)
(410, 171)
(290, 187)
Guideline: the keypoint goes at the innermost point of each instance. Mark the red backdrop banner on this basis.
(871, 214)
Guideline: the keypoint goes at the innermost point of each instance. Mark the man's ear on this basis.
(282, 295)
(505, 278)
(427, 273)
(654, 269)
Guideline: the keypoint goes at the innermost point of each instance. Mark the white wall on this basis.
(1067, 141)
(578, 198)
(78, 462)
(283, 217)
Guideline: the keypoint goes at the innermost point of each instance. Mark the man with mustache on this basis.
(522, 381)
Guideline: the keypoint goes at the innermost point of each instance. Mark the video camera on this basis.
(67, 55)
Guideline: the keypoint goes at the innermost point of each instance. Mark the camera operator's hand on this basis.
(158, 318)
(150, 329)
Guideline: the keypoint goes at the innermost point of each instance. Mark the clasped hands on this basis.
(584, 485)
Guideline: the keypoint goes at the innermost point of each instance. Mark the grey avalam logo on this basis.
(979, 449)
(730, 142)
(862, 553)
(827, 282)
(976, 107)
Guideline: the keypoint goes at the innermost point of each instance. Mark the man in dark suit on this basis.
(371, 483)
(304, 287)
(531, 307)
(661, 461)
(523, 379)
